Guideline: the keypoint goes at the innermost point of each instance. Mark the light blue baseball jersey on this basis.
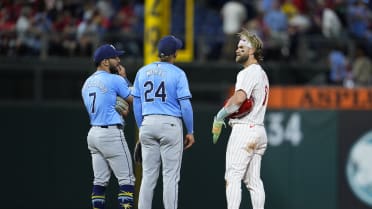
(99, 96)
(161, 85)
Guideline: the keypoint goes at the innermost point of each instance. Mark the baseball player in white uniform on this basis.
(248, 140)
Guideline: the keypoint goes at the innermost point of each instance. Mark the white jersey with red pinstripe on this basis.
(254, 82)
(248, 141)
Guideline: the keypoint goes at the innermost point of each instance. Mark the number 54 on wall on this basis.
(282, 127)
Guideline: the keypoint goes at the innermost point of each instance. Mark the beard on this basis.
(113, 69)
(241, 59)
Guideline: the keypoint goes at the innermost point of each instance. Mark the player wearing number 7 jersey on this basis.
(248, 140)
(106, 139)
(161, 105)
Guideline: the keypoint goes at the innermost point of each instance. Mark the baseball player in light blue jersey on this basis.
(161, 105)
(106, 140)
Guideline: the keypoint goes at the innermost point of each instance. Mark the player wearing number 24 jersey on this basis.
(161, 104)
(161, 85)
(248, 140)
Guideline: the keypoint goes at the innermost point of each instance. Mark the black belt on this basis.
(119, 126)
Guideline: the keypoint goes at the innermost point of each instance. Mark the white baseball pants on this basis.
(247, 144)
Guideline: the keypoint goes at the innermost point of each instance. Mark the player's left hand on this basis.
(122, 106)
(189, 141)
(217, 128)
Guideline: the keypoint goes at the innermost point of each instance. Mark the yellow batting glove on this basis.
(216, 129)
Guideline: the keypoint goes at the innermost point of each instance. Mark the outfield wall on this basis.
(46, 163)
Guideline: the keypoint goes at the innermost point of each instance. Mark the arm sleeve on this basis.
(246, 82)
(187, 115)
(122, 86)
(136, 90)
(183, 91)
(137, 110)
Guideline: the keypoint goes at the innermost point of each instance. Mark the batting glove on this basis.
(217, 128)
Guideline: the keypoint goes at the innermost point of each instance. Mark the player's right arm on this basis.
(137, 110)
(231, 106)
(122, 88)
(137, 105)
(237, 98)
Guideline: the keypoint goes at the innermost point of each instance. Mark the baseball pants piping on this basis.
(109, 151)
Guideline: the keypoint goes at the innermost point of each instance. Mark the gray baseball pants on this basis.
(162, 145)
(109, 151)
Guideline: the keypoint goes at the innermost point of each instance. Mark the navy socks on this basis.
(126, 197)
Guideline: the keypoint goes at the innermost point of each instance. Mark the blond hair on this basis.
(256, 43)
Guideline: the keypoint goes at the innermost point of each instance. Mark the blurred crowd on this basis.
(67, 28)
(334, 31)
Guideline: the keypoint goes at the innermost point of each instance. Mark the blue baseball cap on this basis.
(106, 51)
(169, 45)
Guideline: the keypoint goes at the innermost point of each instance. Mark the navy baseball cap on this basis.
(169, 45)
(106, 51)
